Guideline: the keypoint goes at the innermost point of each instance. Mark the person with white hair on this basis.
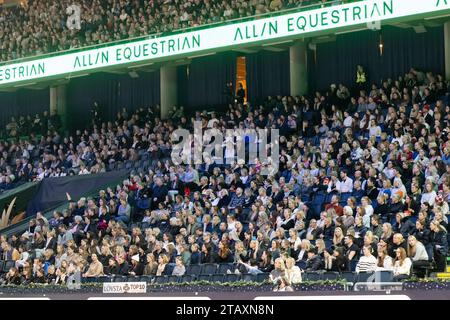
(348, 219)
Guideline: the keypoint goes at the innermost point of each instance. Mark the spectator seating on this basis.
(159, 17)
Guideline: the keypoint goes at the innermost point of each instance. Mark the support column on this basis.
(447, 49)
(298, 68)
(169, 90)
(58, 104)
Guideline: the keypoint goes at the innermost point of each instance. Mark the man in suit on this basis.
(51, 242)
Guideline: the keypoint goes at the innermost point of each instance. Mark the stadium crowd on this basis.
(40, 27)
(363, 184)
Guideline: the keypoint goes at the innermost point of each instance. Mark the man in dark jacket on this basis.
(314, 262)
(122, 267)
(159, 193)
(404, 225)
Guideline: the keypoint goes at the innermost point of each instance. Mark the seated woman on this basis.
(367, 262)
(416, 251)
(292, 273)
(279, 270)
(402, 265)
(384, 261)
(152, 266)
(265, 265)
(163, 263)
(95, 268)
(179, 268)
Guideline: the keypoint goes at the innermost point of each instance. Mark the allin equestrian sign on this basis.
(208, 39)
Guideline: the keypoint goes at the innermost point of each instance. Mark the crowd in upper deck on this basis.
(38, 27)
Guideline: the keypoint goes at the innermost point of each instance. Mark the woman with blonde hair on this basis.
(303, 254)
(151, 266)
(416, 251)
(292, 272)
(387, 232)
(320, 247)
(163, 263)
(338, 237)
(278, 271)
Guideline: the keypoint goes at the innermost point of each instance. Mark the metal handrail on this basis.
(379, 286)
(177, 31)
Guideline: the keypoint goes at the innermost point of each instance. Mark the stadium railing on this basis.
(183, 30)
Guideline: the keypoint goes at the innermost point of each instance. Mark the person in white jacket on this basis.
(292, 272)
(402, 265)
(24, 255)
(416, 250)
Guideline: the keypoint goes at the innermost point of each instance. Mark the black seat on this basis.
(194, 269)
(385, 276)
(261, 277)
(86, 280)
(312, 275)
(231, 277)
(187, 278)
(209, 268)
(133, 279)
(248, 277)
(170, 267)
(146, 278)
(103, 279)
(8, 265)
(173, 279)
(363, 276)
(204, 277)
(349, 276)
(330, 275)
(120, 279)
(423, 270)
(161, 279)
(224, 267)
(217, 278)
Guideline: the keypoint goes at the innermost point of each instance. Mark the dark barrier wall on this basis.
(201, 83)
(113, 92)
(267, 74)
(23, 102)
(52, 192)
(403, 48)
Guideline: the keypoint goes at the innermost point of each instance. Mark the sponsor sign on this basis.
(222, 37)
(124, 287)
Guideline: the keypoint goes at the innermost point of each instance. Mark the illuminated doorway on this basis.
(241, 75)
